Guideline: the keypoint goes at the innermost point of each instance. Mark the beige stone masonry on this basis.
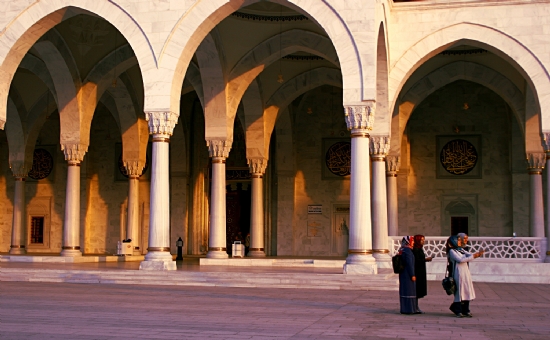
(161, 122)
(218, 147)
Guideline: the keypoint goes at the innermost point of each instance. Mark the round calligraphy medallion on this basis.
(42, 164)
(338, 158)
(458, 157)
(122, 168)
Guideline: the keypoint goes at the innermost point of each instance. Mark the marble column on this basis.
(218, 151)
(359, 120)
(536, 209)
(546, 145)
(74, 154)
(257, 170)
(19, 225)
(379, 147)
(134, 170)
(161, 125)
(392, 167)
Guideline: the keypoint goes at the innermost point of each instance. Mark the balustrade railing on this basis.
(512, 249)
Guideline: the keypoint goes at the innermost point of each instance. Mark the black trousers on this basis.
(460, 307)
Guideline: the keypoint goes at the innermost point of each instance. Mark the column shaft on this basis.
(257, 218)
(132, 227)
(547, 212)
(217, 241)
(71, 226)
(19, 225)
(393, 212)
(158, 251)
(379, 211)
(536, 209)
(360, 259)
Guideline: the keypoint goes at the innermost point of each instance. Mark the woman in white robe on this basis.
(461, 273)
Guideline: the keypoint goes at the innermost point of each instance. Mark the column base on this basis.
(136, 252)
(158, 260)
(383, 260)
(71, 252)
(18, 251)
(217, 254)
(547, 259)
(256, 253)
(360, 264)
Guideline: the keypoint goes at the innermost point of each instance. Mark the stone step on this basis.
(222, 279)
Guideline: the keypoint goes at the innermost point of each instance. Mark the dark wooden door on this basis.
(459, 224)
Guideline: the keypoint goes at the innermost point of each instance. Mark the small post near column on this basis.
(360, 119)
(161, 126)
(392, 167)
(19, 225)
(257, 169)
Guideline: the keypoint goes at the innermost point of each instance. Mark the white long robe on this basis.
(464, 286)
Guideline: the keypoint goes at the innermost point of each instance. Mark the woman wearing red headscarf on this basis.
(420, 260)
(407, 287)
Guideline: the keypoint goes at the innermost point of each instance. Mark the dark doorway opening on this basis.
(237, 214)
(459, 224)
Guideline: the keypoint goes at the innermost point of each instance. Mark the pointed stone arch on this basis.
(497, 42)
(38, 18)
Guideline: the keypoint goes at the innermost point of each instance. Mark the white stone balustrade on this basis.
(505, 249)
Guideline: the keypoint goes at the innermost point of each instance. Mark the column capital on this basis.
(360, 117)
(2, 124)
(20, 169)
(74, 152)
(133, 168)
(536, 161)
(393, 163)
(218, 147)
(161, 122)
(257, 165)
(379, 145)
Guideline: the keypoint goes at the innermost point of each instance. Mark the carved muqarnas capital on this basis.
(161, 122)
(257, 165)
(536, 160)
(393, 163)
(20, 169)
(74, 152)
(134, 168)
(218, 147)
(379, 145)
(360, 116)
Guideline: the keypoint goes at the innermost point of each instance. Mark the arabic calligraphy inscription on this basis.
(458, 157)
(338, 158)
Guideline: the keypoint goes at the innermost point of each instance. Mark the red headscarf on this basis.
(417, 240)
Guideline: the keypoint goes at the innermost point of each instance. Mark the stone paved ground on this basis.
(101, 311)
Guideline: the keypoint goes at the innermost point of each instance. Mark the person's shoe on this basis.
(467, 315)
(419, 312)
(458, 315)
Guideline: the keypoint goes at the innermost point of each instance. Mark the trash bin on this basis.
(124, 248)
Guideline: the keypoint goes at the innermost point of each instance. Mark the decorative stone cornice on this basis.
(20, 169)
(219, 148)
(360, 116)
(379, 145)
(257, 165)
(536, 160)
(161, 122)
(74, 152)
(393, 163)
(134, 168)
(546, 141)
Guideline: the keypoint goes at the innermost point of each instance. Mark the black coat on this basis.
(420, 271)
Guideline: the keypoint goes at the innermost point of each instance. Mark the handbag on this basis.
(448, 282)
